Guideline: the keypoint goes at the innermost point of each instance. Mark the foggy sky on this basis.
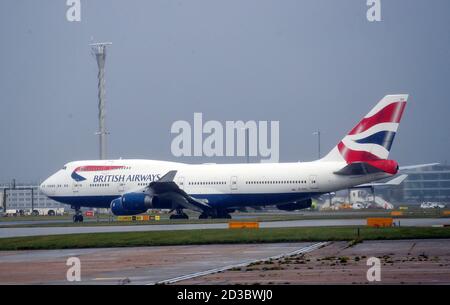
(308, 64)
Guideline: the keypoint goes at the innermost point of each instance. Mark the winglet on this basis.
(168, 177)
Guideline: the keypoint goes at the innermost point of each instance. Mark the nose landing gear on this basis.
(78, 217)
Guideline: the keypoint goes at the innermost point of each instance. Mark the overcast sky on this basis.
(308, 64)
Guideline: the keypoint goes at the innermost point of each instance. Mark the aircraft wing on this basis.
(167, 187)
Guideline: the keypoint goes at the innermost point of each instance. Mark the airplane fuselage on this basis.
(96, 183)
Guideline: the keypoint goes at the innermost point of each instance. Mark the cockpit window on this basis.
(64, 167)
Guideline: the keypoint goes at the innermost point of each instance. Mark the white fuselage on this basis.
(96, 183)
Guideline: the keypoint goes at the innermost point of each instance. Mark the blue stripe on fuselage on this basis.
(215, 200)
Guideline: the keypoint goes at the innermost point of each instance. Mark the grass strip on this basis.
(219, 236)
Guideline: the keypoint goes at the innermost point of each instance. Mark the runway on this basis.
(39, 231)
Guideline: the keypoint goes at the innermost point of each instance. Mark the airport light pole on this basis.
(99, 51)
(317, 133)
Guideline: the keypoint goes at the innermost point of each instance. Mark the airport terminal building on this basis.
(26, 196)
(431, 183)
(425, 184)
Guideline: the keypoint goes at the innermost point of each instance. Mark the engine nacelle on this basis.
(298, 205)
(118, 209)
(132, 204)
(137, 201)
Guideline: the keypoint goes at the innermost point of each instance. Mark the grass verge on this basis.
(217, 236)
(266, 217)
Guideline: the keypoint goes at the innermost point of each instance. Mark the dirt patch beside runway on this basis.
(402, 262)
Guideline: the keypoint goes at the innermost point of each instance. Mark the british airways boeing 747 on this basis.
(131, 187)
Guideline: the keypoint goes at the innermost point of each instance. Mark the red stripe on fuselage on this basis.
(94, 168)
(392, 113)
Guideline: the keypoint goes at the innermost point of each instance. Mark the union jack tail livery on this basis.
(371, 139)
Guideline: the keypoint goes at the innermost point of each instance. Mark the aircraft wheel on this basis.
(77, 218)
(179, 216)
(222, 215)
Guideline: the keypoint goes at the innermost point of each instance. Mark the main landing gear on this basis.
(78, 217)
(179, 214)
(214, 214)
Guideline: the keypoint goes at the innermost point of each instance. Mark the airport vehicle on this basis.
(131, 187)
(45, 212)
(35, 212)
(14, 212)
(432, 205)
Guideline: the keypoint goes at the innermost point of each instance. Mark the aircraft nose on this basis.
(42, 187)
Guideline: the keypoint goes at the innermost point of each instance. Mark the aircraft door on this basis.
(121, 187)
(76, 187)
(233, 184)
(180, 182)
(313, 184)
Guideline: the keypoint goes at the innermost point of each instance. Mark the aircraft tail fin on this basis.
(371, 139)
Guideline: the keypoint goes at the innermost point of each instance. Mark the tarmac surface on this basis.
(401, 262)
(141, 265)
(38, 231)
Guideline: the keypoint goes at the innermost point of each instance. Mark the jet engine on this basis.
(133, 204)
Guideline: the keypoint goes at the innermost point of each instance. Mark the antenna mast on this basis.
(99, 51)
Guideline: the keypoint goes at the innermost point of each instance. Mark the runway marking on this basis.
(220, 269)
(108, 278)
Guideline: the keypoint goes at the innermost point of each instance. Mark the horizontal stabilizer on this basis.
(393, 182)
(358, 168)
(396, 181)
(417, 166)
